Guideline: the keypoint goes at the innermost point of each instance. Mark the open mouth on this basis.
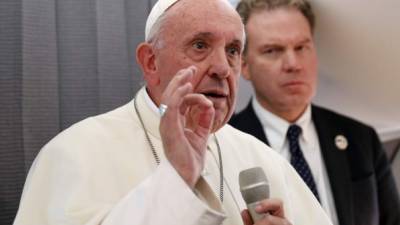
(218, 97)
(214, 94)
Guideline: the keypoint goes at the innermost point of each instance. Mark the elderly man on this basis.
(340, 159)
(167, 157)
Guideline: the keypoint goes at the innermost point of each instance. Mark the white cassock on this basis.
(102, 171)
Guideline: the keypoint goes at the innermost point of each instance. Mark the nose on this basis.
(219, 64)
(291, 62)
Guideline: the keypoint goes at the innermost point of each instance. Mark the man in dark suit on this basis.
(340, 159)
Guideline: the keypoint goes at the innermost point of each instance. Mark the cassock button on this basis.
(341, 142)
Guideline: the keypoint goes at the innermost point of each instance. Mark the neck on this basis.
(289, 113)
(153, 96)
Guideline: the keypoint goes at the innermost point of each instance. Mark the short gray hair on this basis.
(155, 33)
(246, 7)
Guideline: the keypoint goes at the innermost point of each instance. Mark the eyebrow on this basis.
(305, 41)
(210, 35)
(275, 43)
(238, 43)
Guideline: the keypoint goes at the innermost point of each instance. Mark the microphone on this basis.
(254, 187)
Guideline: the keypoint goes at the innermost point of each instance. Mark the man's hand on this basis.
(185, 146)
(273, 210)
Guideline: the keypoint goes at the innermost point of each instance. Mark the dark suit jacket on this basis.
(362, 183)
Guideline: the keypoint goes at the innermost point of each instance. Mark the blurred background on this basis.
(62, 61)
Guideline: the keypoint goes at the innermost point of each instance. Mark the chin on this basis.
(220, 119)
(218, 123)
(214, 129)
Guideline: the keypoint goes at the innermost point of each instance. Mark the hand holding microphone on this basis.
(254, 187)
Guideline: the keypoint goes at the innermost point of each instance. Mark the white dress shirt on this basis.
(276, 128)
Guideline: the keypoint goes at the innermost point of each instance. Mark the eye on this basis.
(199, 45)
(273, 51)
(233, 50)
(300, 48)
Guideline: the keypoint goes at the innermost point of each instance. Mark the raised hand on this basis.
(185, 143)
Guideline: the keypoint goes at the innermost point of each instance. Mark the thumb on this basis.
(246, 217)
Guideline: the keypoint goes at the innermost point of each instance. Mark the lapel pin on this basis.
(341, 142)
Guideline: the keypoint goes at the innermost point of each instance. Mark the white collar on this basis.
(276, 127)
(148, 112)
(150, 102)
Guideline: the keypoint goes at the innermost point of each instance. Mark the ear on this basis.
(245, 68)
(146, 59)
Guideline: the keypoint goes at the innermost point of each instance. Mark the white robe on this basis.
(102, 171)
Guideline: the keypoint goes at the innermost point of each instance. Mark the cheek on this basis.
(312, 66)
(233, 82)
(166, 78)
(268, 86)
(198, 77)
(312, 75)
(264, 80)
(263, 69)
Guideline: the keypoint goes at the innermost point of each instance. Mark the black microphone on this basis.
(254, 187)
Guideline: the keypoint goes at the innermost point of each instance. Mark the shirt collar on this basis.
(305, 122)
(150, 102)
(276, 127)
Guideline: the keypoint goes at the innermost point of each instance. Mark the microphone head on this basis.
(254, 185)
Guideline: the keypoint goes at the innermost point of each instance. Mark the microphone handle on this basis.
(254, 215)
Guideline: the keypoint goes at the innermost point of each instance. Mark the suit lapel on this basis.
(336, 162)
(336, 165)
(252, 125)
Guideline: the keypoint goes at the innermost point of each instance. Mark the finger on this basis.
(181, 78)
(199, 119)
(196, 79)
(205, 120)
(178, 87)
(199, 113)
(272, 206)
(246, 217)
(171, 114)
(194, 99)
(274, 220)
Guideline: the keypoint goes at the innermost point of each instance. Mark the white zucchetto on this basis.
(158, 9)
